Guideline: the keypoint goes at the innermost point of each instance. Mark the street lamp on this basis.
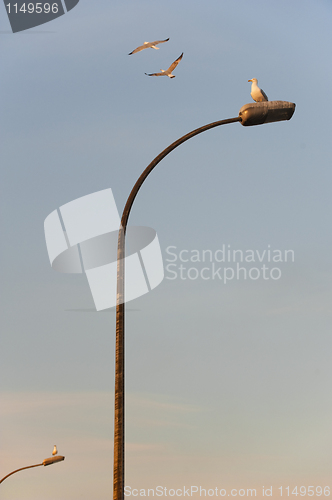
(47, 461)
(249, 114)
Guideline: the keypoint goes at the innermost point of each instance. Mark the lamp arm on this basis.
(17, 470)
(165, 152)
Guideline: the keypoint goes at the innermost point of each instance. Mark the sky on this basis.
(228, 383)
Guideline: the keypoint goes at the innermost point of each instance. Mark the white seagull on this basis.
(168, 72)
(55, 451)
(148, 45)
(256, 93)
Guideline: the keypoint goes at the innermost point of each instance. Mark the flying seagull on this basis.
(256, 93)
(147, 45)
(168, 72)
(55, 451)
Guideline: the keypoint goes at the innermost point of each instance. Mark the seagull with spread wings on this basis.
(148, 45)
(168, 72)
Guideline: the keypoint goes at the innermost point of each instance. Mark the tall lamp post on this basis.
(47, 461)
(249, 114)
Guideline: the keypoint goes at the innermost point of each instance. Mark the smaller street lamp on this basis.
(47, 461)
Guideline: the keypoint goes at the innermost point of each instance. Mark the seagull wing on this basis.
(159, 41)
(156, 74)
(264, 95)
(141, 47)
(174, 64)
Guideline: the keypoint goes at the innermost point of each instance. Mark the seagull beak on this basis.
(249, 80)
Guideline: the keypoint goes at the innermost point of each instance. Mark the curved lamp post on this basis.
(249, 114)
(47, 461)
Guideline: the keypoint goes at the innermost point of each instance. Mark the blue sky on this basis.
(227, 385)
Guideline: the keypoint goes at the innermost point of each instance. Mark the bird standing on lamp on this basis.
(256, 93)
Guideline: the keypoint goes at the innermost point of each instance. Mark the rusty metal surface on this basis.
(119, 401)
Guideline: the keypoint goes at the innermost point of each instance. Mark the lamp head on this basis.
(258, 113)
(53, 460)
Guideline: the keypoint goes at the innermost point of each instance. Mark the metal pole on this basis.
(119, 403)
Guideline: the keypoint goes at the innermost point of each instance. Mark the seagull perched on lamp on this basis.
(55, 451)
(256, 93)
(168, 72)
(148, 45)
